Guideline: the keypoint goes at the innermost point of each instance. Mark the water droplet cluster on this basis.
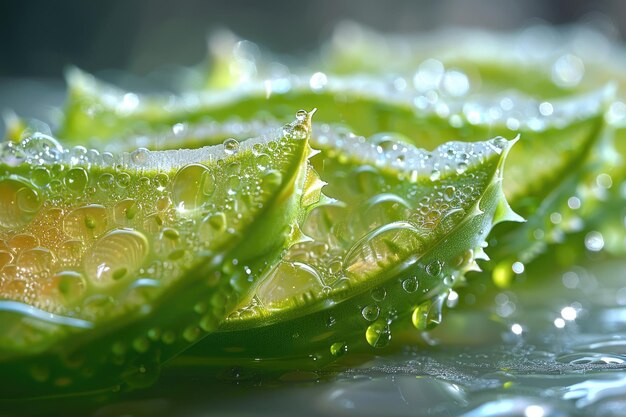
(92, 235)
(392, 210)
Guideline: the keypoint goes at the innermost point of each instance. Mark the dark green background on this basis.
(40, 38)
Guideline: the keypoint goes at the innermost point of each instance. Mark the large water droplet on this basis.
(338, 349)
(427, 315)
(382, 248)
(318, 81)
(106, 181)
(231, 146)
(568, 71)
(455, 83)
(117, 255)
(41, 147)
(434, 268)
(378, 334)
(67, 287)
(140, 156)
(76, 180)
(301, 115)
(370, 312)
(86, 222)
(40, 176)
(410, 284)
(125, 211)
(19, 202)
(289, 284)
(188, 188)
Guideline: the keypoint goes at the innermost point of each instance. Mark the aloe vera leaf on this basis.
(540, 60)
(114, 263)
(543, 61)
(557, 145)
(411, 225)
(368, 106)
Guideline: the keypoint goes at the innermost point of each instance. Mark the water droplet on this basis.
(41, 147)
(434, 268)
(76, 179)
(69, 253)
(19, 202)
(616, 113)
(117, 255)
(217, 221)
(461, 167)
(123, 179)
(301, 115)
(40, 176)
(427, 315)
(410, 284)
(338, 349)
(546, 109)
(86, 222)
(263, 161)
(318, 81)
(594, 241)
(140, 156)
(234, 183)
(604, 181)
(428, 75)
(455, 83)
(35, 260)
(125, 211)
(378, 294)
(370, 312)
(378, 334)
(191, 333)
(106, 181)
(70, 285)
(380, 249)
(170, 233)
(568, 71)
(6, 257)
(290, 283)
(448, 193)
(518, 267)
(141, 344)
(298, 132)
(231, 146)
(28, 200)
(188, 188)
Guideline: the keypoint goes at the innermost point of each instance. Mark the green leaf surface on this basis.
(410, 225)
(113, 263)
(560, 145)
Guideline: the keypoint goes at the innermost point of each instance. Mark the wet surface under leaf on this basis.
(551, 348)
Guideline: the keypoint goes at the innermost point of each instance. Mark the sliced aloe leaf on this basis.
(113, 263)
(561, 140)
(541, 60)
(544, 61)
(409, 226)
(369, 107)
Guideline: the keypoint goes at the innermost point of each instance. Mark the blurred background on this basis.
(144, 38)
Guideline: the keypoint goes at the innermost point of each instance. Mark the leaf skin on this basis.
(560, 148)
(122, 345)
(316, 330)
(545, 62)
